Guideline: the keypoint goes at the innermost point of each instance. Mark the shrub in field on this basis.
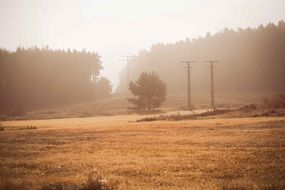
(91, 184)
(149, 91)
(178, 116)
(248, 108)
(2, 128)
(277, 101)
(96, 184)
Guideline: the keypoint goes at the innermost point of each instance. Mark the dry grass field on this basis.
(207, 153)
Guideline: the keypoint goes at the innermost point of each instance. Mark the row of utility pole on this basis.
(188, 67)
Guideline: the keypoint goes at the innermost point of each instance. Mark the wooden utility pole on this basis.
(189, 81)
(127, 59)
(212, 82)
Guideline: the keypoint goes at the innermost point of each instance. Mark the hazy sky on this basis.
(114, 28)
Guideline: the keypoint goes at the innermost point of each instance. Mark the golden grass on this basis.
(229, 153)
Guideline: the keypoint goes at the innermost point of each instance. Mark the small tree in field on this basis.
(149, 91)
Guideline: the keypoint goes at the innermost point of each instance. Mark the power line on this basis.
(188, 62)
(212, 82)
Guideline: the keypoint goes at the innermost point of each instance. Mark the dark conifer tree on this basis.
(149, 91)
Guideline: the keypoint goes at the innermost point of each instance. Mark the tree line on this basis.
(41, 77)
(250, 60)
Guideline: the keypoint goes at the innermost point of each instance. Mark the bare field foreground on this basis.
(207, 153)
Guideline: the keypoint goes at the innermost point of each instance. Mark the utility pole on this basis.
(212, 82)
(189, 80)
(127, 59)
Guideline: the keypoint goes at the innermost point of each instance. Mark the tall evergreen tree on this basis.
(149, 91)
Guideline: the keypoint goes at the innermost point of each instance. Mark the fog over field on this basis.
(119, 28)
(142, 94)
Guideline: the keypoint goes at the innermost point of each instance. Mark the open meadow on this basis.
(203, 153)
(142, 95)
